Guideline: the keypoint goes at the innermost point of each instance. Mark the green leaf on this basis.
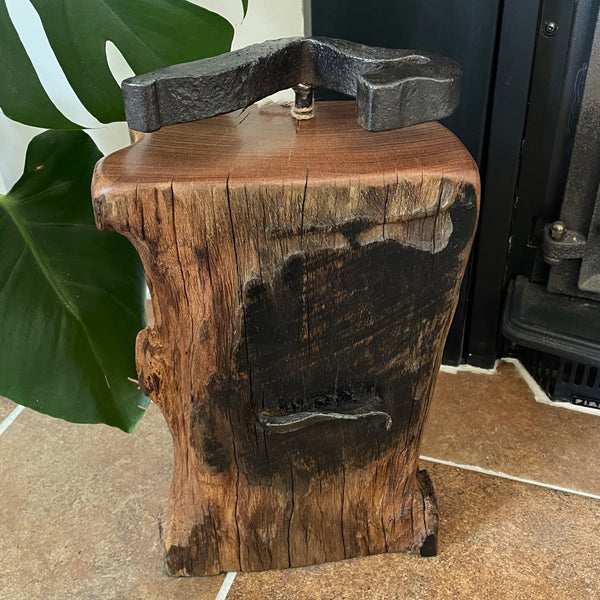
(71, 297)
(22, 96)
(149, 33)
(245, 6)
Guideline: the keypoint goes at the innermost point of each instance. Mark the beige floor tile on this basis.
(6, 407)
(499, 540)
(494, 422)
(79, 511)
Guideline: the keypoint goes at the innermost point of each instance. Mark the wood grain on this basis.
(303, 278)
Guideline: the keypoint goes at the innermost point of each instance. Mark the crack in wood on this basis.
(289, 528)
(342, 511)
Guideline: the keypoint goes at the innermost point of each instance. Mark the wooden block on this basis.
(303, 279)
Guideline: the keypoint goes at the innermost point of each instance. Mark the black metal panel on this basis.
(567, 327)
(580, 210)
(557, 327)
(465, 30)
(509, 108)
(553, 108)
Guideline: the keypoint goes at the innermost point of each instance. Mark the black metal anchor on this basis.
(393, 88)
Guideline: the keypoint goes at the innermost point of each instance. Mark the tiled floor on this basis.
(79, 507)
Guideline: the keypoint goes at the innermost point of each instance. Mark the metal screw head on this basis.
(557, 230)
(550, 28)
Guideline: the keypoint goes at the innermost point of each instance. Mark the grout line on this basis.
(469, 369)
(11, 417)
(226, 585)
(549, 486)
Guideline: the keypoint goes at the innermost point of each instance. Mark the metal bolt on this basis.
(550, 28)
(304, 104)
(557, 230)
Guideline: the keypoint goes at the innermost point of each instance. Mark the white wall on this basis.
(266, 19)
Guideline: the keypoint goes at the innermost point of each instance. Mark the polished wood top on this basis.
(267, 145)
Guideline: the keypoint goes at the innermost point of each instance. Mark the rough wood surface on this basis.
(303, 279)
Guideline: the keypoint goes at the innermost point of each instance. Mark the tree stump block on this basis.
(303, 279)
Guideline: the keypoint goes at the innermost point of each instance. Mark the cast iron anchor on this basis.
(393, 88)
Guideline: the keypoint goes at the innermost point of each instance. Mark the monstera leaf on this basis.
(22, 97)
(71, 297)
(149, 34)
